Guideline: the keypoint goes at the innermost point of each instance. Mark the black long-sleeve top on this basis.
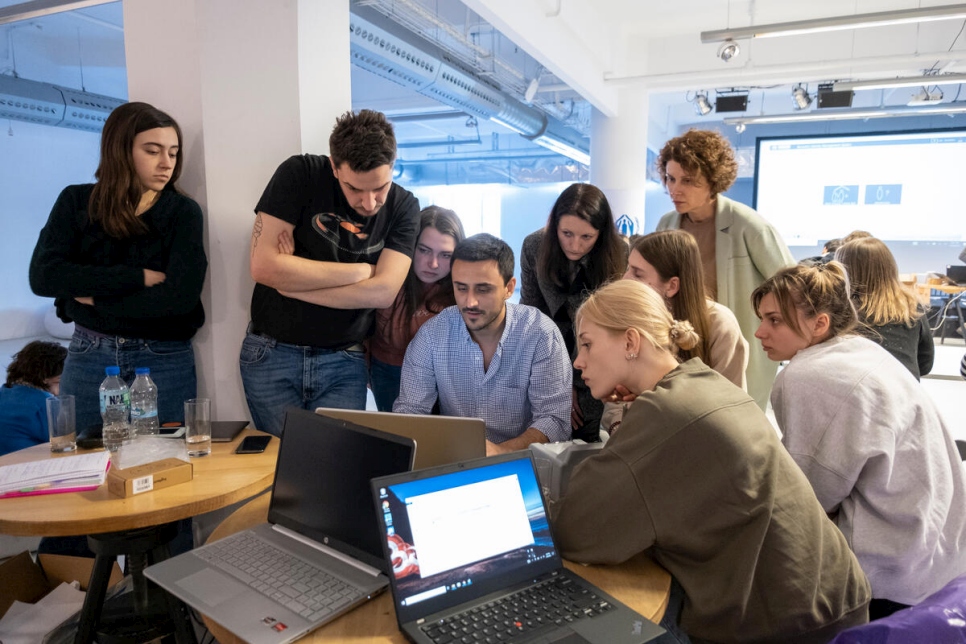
(913, 346)
(75, 257)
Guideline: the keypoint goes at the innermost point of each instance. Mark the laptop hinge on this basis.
(355, 563)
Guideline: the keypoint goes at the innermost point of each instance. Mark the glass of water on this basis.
(197, 423)
(60, 423)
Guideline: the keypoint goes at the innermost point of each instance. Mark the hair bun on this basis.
(683, 335)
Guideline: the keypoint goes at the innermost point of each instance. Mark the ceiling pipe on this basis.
(381, 46)
(40, 8)
(46, 104)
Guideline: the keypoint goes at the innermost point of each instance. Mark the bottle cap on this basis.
(142, 371)
(112, 371)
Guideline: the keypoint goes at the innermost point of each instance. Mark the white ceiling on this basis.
(596, 47)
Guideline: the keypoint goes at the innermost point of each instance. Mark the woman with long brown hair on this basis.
(125, 260)
(888, 311)
(576, 252)
(428, 289)
(670, 263)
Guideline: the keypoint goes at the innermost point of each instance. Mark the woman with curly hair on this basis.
(739, 249)
(888, 312)
(577, 251)
(32, 378)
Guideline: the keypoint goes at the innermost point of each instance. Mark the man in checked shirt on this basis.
(486, 358)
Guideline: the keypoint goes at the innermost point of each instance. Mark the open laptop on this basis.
(956, 273)
(225, 431)
(440, 440)
(466, 543)
(320, 514)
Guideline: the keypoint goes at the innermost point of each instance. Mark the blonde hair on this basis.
(874, 277)
(627, 304)
(811, 290)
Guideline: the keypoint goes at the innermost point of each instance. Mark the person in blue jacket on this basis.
(32, 378)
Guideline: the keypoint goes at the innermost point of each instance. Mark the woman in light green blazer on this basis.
(739, 249)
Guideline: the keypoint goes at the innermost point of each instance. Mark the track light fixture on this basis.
(702, 106)
(728, 50)
(800, 98)
(908, 81)
(835, 23)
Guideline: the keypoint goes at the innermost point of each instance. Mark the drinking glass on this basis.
(197, 423)
(60, 422)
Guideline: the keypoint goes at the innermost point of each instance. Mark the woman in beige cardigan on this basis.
(739, 249)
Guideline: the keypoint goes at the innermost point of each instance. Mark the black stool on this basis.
(143, 615)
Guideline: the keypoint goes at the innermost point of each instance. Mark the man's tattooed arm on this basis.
(256, 232)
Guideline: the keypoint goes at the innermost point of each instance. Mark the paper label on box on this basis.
(143, 484)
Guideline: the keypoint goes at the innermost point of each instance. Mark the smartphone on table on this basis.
(253, 445)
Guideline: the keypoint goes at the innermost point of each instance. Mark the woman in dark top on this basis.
(578, 251)
(125, 260)
(889, 313)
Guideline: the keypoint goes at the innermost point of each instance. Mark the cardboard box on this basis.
(150, 476)
(23, 580)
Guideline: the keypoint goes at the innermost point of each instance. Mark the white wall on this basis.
(36, 163)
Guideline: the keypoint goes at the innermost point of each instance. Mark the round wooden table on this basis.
(139, 526)
(640, 583)
(219, 479)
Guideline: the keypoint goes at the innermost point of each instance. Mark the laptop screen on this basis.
(322, 481)
(456, 535)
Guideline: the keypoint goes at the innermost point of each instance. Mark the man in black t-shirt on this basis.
(333, 240)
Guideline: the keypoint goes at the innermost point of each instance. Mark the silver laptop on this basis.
(225, 431)
(472, 556)
(248, 582)
(440, 440)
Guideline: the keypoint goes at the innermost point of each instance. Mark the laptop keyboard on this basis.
(299, 586)
(527, 614)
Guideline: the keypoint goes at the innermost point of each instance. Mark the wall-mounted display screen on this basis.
(901, 186)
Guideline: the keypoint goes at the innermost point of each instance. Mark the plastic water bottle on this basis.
(115, 409)
(144, 404)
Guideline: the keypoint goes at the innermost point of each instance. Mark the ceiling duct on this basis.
(46, 104)
(383, 47)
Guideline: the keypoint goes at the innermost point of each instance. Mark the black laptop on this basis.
(957, 273)
(472, 555)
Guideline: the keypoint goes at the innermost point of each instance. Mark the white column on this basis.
(618, 155)
(251, 82)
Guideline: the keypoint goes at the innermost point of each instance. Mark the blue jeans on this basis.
(277, 376)
(172, 364)
(671, 622)
(384, 381)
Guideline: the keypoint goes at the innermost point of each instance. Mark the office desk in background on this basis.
(640, 583)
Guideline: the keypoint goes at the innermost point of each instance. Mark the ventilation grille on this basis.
(388, 50)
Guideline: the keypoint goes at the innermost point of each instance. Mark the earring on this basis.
(630, 356)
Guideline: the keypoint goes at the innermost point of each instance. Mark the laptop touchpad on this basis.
(211, 587)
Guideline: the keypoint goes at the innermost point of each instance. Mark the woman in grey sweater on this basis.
(868, 437)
